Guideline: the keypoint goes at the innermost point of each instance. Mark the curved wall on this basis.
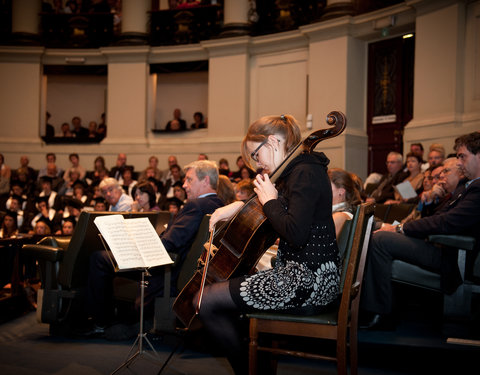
(312, 70)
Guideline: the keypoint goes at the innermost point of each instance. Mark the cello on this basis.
(248, 234)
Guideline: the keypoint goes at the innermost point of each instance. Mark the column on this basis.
(25, 21)
(338, 8)
(235, 18)
(135, 19)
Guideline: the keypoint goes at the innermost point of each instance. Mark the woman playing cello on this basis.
(306, 274)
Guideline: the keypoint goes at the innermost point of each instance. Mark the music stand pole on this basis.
(141, 335)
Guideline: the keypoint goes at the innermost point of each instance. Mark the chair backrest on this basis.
(345, 241)
(73, 270)
(355, 262)
(344, 237)
(397, 212)
(163, 218)
(189, 265)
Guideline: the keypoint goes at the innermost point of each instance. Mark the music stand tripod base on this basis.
(141, 337)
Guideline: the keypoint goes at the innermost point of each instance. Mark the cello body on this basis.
(248, 234)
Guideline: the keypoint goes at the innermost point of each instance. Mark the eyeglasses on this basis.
(254, 154)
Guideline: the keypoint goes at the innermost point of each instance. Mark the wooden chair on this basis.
(331, 325)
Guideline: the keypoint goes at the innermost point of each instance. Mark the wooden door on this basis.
(390, 98)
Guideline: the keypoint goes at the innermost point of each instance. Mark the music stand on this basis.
(139, 342)
(141, 336)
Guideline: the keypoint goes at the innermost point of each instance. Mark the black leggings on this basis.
(220, 317)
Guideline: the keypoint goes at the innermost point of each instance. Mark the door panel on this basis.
(390, 98)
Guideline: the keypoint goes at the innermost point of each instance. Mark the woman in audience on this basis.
(128, 181)
(225, 190)
(345, 197)
(145, 199)
(99, 170)
(244, 190)
(9, 227)
(415, 177)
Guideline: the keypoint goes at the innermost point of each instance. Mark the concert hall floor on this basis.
(27, 348)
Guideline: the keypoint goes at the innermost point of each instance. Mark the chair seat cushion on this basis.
(329, 317)
(411, 274)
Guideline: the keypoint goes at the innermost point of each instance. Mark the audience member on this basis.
(65, 129)
(345, 197)
(75, 160)
(78, 130)
(461, 215)
(115, 196)
(100, 204)
(53, 198)
(9, 228)
(171, 160)
(92, 130)
(128, 183)
(177, 123)
(99, 172)
(46, 214)
(198, 121)
(15, 205)
(73, 178)
(202, 156)
(41, 228)
(80, 192)
(237, 176)
(51, 168)
(68, 226)
(417, 148)
(24, 167)
(432, 198)
(180, 193)
(5, 174)
(153, 168)
(175, 177)
(414, 177)
(201, 185)
(145, 199)
(436, 155)
(102, 128)
(225, 190)
(224, 168)
(117, 171)
(244, 190)
(49, 128)
(395, 174)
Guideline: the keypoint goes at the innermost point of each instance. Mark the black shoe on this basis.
(378, 322)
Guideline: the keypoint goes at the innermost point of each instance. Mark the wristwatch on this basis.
(399, 228)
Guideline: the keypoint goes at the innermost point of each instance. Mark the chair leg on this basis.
(353, 351)
(341, 355)
(252, 348)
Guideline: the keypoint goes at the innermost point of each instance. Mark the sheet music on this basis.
(134, 242)
(122, 245)
(148, 242)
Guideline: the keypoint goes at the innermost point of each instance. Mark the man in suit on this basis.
(201, 186)
(181, 123)
(460, 215)
(117, 171)
(394, 176)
